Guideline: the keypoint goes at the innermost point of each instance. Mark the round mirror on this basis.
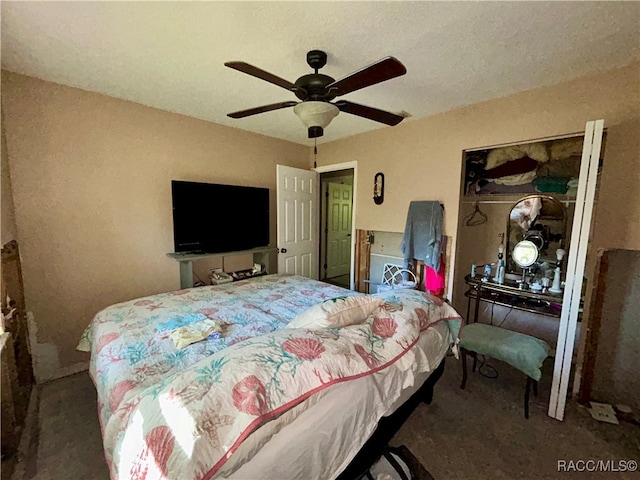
(525, 253)
(541, 220)
(537, 238)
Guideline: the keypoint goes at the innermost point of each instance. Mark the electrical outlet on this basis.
(370, 238)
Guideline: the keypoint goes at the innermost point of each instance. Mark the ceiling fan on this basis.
(316, 90)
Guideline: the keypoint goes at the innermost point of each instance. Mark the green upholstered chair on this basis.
(523, 352)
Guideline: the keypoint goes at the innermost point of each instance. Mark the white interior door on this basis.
(339, 204)
(297, 221)
(575, 266)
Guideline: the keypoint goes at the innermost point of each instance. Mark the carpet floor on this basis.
(476, 433)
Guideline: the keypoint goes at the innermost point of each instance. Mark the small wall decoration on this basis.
(378, 188)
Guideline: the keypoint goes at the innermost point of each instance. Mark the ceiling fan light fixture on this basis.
(316, 91)
(316, 116)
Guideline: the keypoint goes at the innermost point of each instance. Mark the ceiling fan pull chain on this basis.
(315, 152)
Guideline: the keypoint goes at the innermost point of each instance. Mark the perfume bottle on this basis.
(555, 287)
(499, 278)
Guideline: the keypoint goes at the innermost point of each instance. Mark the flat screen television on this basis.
(214, 218)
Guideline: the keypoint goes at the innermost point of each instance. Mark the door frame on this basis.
(335, 168)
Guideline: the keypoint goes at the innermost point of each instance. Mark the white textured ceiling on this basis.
(170, 55)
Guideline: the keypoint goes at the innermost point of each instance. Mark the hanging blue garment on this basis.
(422, 234)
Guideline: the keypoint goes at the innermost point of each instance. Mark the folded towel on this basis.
(552, 184)
(195, 332)
(182, 321)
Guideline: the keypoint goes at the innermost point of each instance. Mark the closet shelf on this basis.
(467, 201)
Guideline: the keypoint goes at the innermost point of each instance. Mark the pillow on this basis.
(337, 312)
(500, 156)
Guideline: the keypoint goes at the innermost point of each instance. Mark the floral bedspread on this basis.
(168, 413)
(130, 352)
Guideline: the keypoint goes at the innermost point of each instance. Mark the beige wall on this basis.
(8, 219)
(422, 158)
(91, 182)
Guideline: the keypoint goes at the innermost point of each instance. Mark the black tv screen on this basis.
(214, 218)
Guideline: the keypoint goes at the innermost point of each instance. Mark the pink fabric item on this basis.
(434, 281)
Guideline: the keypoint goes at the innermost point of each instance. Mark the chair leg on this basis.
(464, 368)
(526, 397)
(535, 388)
(475, 362)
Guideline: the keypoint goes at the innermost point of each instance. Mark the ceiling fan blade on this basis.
(384, 69)
(371, 113)
(263, 75)
(262, 109)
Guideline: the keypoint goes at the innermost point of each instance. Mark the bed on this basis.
(262, 400)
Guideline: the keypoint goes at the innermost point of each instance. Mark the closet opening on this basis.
(529, 194)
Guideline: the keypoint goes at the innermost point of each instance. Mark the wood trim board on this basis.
(593, 327)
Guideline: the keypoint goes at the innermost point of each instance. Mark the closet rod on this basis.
(473, 202)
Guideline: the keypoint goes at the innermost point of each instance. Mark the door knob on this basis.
(282, 250)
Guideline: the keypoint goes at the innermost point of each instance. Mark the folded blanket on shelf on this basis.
(518, 179)
(500, 156)
(513, 167)
(552, 184)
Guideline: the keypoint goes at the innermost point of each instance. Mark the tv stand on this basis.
(260, 255)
